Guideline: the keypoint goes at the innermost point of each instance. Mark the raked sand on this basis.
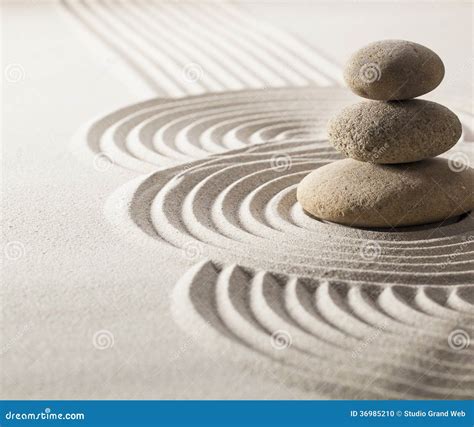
(153, 246)
(330, 309)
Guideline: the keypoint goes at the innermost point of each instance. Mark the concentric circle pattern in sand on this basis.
(331, 338)
(338, 310)
(241, 207)
(164, 132)
(161, 132)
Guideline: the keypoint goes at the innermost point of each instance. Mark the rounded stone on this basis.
(394, 132)
(368, 195)
(393, 70)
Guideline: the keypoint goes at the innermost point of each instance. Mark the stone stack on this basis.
(391, 178)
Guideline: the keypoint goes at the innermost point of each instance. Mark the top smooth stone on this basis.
(393, 70)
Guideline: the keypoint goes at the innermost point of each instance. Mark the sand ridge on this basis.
(241, 207)
(219, 174)
(383, 303)
(343, 340)
(82, 276)
(163, 132)
(177, 51)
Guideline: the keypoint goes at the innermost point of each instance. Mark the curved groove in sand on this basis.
(382, 319)
(236, 207)
(162, 132)
(350, 341)
(238, 202)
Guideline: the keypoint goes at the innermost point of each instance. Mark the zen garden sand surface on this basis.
(155, 247)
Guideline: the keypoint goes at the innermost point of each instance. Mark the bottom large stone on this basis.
(373, 195)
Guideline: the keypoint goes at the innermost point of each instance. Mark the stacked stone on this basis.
(391, 178)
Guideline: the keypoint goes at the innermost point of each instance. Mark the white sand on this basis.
(120, 246)
(331, 338)
(335, 295)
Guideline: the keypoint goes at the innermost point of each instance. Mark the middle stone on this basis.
(394, 132)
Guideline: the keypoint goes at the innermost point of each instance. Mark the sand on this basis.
(154, 247)
(343, 341)
(238, 204)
